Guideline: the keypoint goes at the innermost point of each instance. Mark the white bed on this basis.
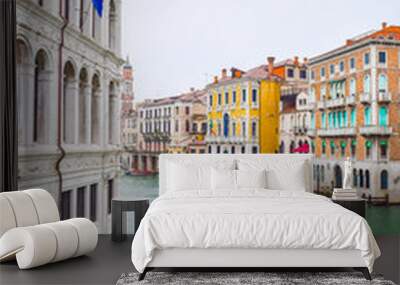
(249, 227)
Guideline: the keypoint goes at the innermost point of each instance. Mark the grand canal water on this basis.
(383, 220)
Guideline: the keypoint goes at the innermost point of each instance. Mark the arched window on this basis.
(84, 97)
(382, 83)
(95, 110)
(69, 109)
(383, 116)
(244, 129)
(352, 87)
(367, 178)
(226, 125)
(361, 178)
(234, 129)
(112, 26)
(384, 179)
(367, 84)
(24, 91)
(354, 177)
(41, 91)
(323, 118)
(367, 116)
(209, 149)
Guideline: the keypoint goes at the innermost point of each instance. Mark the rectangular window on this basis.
(177, 110)
(254, 96)
(219, 99)
(353, 150)
(187, 110)
(234, 96)
(341, 66)
(244, 96)
(303, 74)
(80, 203)
(176, 126)
(352, 63)
(66, 205)
(290, 73)
(110, 193)
(226, 98)
(332, 69)
(383, 150)
(211, 100)
(93, 202)
(382, 57)
(366, 58)
(322, 71)
(312, 74)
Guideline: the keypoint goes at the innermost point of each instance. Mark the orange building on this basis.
(356, 88)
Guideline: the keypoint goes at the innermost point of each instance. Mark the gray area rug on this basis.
(228, 278)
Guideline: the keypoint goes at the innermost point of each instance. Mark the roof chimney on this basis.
(384, 25)
(296, 60)
(270, 60)
(305, 60)
(223, 73)
(215, 79)
(192, 89)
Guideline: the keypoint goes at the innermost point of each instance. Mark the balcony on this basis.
(311, 132)
(350, 100)
(334, 103)
(376, 130)
(300, 130)
(384, 97)
(321, 104)
(365, 98)
(337, 132)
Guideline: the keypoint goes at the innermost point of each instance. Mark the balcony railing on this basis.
(334, 103)
(300, 130)
(337, 132)
(384, 96)
(376, 130)
(350, 100)
(311, 132)
(365, 98)
(321, 104)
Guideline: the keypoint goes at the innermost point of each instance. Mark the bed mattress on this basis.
(250, 219)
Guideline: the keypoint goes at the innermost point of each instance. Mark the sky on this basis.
(174, 45)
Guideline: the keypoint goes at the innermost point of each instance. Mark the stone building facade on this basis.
(166, 125)
(68, 77)
(357, 89)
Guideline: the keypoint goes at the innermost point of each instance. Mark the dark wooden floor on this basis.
(110, 260)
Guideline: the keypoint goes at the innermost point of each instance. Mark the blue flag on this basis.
(98, 5)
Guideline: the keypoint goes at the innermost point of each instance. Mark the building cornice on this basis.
(346, 49)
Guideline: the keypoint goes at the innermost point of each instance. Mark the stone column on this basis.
(25, 87)
(88, 111)
(71, 124)
(95, 117)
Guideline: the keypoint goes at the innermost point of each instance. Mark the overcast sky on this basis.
(177, 44)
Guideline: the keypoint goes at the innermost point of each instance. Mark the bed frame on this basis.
(246, 259)
(237, 259)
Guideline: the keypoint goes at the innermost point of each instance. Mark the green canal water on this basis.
(382, 220)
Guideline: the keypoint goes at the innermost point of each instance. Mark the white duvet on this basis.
(255, 218)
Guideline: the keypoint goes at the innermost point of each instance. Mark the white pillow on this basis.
(251, 178)
(223, 179)
(283, 172)
(184, 177)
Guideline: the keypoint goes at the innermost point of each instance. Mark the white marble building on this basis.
(68, 77)
(295, 121)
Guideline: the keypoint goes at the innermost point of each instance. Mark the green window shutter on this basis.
(343, 144)
(368, 144)
(383, 143)
(353, 142)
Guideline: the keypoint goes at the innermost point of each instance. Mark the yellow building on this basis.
(243, 111)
